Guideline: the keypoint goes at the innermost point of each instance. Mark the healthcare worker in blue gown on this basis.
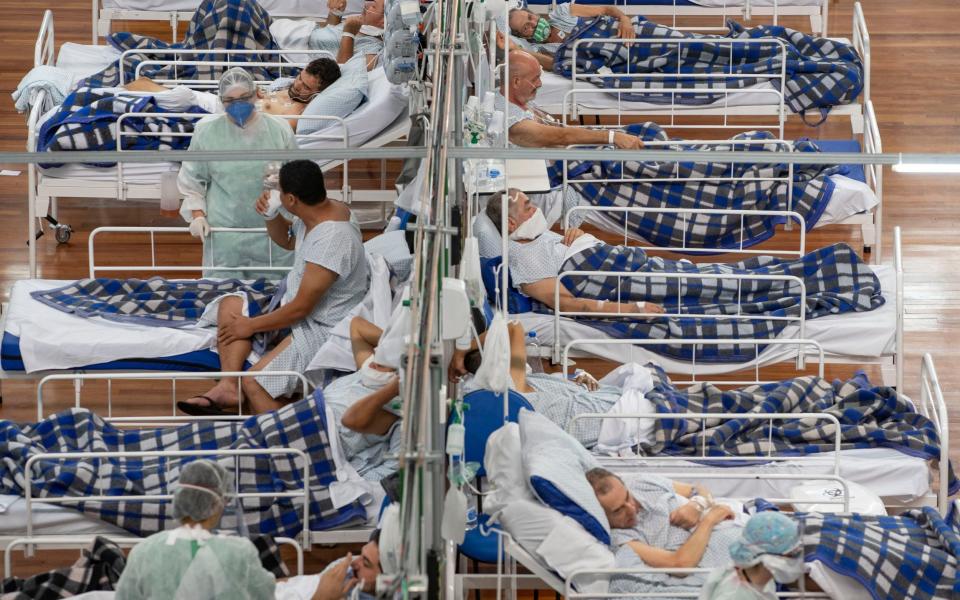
(222, 193)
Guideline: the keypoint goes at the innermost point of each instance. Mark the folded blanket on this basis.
(870, 417)
(87, 120)
(156, 301)
(820, 73)
(55, 81)
(811, 186)
(836, 281)
(300, 425)
(216, 25)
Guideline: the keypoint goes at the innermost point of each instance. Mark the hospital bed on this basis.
(104, 12)
(29, 516)
(818, 11)
(857, 197)
(381, 120)
(577, 97)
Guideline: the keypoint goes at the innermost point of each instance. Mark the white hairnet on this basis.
(235, 79)
(202, 486)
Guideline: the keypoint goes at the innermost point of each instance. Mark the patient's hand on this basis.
(571, 235)
(626, 141)
(587, 380)
(334, 584)
(626, 28)
(456, 370)
(687, 516)
(337, 5)
(352, 25)
(236, 330)
(718, 513)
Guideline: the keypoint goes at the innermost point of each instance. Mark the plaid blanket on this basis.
(156, 301)
(835, 278)
(216, 25)
(811, 186)
(87, 120)
(300, 425)
(870, 417)
(99, 568)
(821, 73)
(913, 556)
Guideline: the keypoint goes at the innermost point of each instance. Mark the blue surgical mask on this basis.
(240, 111)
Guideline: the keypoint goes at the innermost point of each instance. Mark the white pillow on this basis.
(339, 100)
(555, 464)
(558, 541)
(504, 471)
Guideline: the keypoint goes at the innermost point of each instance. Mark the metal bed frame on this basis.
(775, 111)
(817, 11)
(891, 364)
(870, 221)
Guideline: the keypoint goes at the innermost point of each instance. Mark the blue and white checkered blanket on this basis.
(836, 281)
(913, 556)
(601, 184)
(216, 25)
(820, 73)
(300, 425)
(870, 417)
(156, 301)
(87, 120)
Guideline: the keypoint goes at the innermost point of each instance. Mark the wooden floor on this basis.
(915, 86)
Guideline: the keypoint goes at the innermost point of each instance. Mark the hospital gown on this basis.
(561, 400)
(366, 452)
(537, 259)
(337, 246)
(560, 18)
(657, 500)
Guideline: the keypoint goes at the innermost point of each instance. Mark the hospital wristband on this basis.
(610, 135)
(347, 34)
(336, 13)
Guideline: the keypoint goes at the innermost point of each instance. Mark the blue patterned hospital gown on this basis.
(657, 500)
(560, 18)
(367, 453)
(337, 246)
(560, 400)
(537, 259)
(328, 38)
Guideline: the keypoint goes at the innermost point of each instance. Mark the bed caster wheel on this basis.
(63, 233)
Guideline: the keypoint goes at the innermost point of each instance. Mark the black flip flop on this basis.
(195, 410)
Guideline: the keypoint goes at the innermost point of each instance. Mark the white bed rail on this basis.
(45, 48)
(804, 349)
(898, 340)
(872, 144)
(78, 379)
(582, 84)
(153, 267)
(683, 280)
(59, 542)
(151, 57)
(933, 406)
(861, 43)
(329, 134)
(235, 453)
(686, 213)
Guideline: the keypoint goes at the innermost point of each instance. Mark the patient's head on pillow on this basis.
(301, 182)
(317, 76)
(525, 221)
(618, 503)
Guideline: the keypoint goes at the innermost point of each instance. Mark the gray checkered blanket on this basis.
(836, 281)
(156, 301)
(300, 425)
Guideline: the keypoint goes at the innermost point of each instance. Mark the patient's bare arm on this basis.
(143, 84)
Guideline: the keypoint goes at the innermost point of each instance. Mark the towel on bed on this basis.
(820, 73)
(216, 25)
(300, 425)
(156, 301)
(87, 120)
(836, 281)
(870, 417)
(752, 189)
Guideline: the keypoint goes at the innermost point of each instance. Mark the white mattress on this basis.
(850, 197)
(49, 519)
(862, 335)
(286, 8)
(884, 471)
(51, 339)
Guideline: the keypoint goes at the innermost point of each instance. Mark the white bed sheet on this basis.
(865, 335)
(850, 197)
(884, 471)
(286, 8)
(50, 519)
(51, 339)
